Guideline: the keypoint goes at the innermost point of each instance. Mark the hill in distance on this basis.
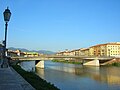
(38, 51)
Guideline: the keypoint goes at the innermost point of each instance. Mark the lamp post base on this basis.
(5, 63)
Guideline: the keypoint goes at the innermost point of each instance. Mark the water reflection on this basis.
(78, 77)
(110, 75)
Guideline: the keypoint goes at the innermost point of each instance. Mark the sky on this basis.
(57, 25)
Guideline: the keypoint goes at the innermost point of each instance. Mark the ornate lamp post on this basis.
(7, 15)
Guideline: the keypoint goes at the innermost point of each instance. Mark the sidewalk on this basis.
(11, 80)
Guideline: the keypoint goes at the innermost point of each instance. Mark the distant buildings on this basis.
(12, 53)
(108, 49)
(31, 54)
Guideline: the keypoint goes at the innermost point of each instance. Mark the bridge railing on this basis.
(56, 56)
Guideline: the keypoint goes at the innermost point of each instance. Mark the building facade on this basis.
(108, 49)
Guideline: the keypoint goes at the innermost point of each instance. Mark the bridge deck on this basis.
(54, 57)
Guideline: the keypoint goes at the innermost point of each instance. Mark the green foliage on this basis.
(66, 61)
(34, 80)
(116, 64)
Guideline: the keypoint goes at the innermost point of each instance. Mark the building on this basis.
(12, 53)
(77, 52)
(108, 49)
(74, 53)
(31, 54)
(85, 52)
(64, 53)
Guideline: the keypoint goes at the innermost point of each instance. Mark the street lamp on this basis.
(7, 15)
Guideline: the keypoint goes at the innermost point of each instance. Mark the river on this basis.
(77, 77)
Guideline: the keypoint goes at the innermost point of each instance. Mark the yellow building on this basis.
(108, 49)
(75, 52)
(72, 53)
(91, 51)
(85, 52)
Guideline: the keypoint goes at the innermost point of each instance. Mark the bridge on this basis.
(86, 60)
(51, 57)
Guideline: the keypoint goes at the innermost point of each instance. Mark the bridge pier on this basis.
(92, 63)
(39, 64)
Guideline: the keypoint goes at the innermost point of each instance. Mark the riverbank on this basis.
(34, 80)
(116, 64)
(66, 61)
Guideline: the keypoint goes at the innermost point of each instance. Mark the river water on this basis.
(77, 77)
